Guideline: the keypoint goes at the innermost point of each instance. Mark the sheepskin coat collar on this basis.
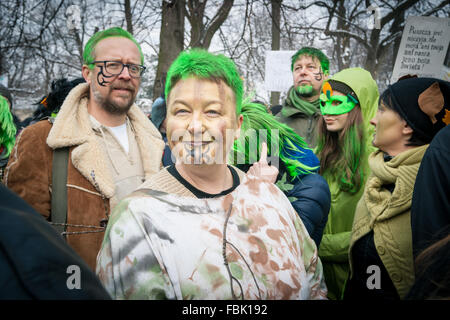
(72, 127)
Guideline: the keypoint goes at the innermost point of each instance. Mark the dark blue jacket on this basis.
(167, 154)
(312, 203)
(35, 259)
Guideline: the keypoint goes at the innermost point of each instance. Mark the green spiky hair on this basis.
(315, 53)
(205, 65)
(290, 145)
(7, 126)
(88, 54)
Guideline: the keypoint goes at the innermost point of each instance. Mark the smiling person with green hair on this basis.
(201, 228)
(310, 68)
(347, 103)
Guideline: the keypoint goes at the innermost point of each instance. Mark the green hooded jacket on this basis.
(335, 243)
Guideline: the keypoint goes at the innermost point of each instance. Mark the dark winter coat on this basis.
(312, 203)
(430, 208)
(35, 259)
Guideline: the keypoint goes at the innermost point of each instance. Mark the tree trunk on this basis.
(343, 41)
(128, 17)
(276, 14)
(372, 54)
(170, 41)
(201, 34)
(1, 63)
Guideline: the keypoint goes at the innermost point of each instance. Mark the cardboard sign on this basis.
(278, 75)
(423, 48)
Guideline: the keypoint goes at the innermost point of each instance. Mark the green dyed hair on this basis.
(205, 65)
(88, 54)
(342, 153)
(289, 143)
(315, 53)
(7, 127)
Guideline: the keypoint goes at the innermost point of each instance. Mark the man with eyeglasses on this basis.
(112, 147)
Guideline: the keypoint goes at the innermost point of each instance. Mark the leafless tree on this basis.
(171, 40)
(276, 34)
(39, 42)
(204, 23)
(349, 25)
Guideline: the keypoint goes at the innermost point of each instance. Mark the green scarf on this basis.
(296, 102)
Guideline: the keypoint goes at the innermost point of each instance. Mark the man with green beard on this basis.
(310, 67)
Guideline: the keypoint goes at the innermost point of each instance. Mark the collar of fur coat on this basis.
(72, 127)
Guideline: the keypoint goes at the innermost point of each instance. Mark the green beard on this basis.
(305, 91)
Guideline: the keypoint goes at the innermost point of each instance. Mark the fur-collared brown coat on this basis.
(29, 170)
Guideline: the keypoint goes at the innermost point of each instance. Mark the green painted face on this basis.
(336, 104)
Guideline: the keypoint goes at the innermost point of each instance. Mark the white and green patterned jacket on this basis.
(162, 246)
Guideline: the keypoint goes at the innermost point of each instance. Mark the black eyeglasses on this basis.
(114, 68)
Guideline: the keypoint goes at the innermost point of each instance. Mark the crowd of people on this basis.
(339, 193)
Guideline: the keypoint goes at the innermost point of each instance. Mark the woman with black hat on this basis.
(381, 257)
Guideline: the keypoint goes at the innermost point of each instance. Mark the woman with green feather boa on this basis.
(348, 102)
(7, 129)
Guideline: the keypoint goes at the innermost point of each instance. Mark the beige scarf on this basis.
(401, 171)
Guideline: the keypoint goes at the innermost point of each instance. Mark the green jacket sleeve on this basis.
(334, 247)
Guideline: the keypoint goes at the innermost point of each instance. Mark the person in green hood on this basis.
(300, 111)
(348, 101)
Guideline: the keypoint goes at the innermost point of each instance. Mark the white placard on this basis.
(278, 71)
(423, 48)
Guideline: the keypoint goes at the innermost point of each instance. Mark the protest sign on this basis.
(278, 71)
(423, 48)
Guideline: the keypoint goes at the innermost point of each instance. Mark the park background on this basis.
(43, 40)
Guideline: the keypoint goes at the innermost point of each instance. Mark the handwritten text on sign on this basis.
(423, 47)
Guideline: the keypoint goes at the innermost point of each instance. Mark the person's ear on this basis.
(237, 132)
(325, 75)
(407, 130)
(86, 73)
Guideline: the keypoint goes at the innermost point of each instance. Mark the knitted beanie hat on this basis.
(424, 103)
